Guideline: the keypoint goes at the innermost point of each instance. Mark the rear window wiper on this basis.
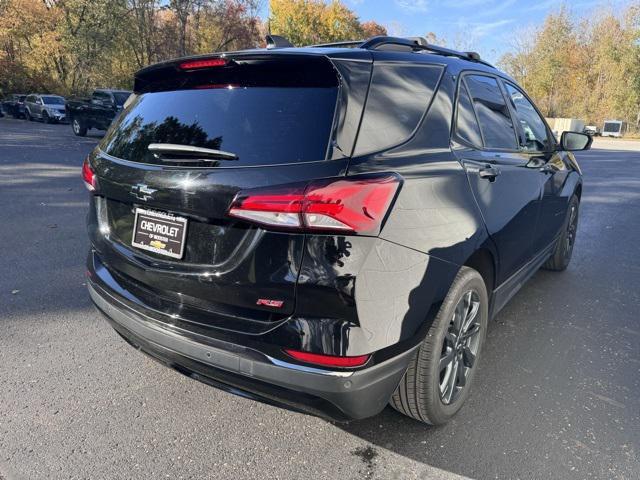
(188, 153)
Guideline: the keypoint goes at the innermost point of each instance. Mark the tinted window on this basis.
(121, 97)
(398, 98)
(466, 123)
(101, 97)
(533, 127)
(53, 100)
(261, 125)
(493, 113)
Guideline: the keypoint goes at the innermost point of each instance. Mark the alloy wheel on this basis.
(570, 237)
(460, 347)
(76, 127)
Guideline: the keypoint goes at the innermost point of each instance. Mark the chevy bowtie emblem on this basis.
(142, 192)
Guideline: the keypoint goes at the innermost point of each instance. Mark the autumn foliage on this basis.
(307, 22)
(72, 46)
(587, 69)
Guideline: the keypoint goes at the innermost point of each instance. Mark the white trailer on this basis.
(612, 128)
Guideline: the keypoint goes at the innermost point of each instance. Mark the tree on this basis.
(587, 69)
(72, 46)
(306, 22)
(373, 29)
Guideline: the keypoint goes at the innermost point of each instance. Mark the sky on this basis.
(486, 26)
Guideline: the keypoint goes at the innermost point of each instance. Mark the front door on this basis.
(506, 188)
(536, 143)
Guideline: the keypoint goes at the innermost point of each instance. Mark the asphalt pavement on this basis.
(557, 394)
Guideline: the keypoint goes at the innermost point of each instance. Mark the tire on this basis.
(27, 116)
(563, 250)
(78, 127)
(419, 394)
(46, 118)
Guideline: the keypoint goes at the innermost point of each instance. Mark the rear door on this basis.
(273, 118)
(506, 188)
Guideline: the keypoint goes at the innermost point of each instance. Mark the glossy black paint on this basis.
(342, 294)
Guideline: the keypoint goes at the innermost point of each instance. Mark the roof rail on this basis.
(347, 43)
(421, 43)
(373, 43)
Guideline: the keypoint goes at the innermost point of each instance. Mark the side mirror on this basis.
(574, 141)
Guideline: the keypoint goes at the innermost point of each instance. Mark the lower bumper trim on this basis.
(339, 395)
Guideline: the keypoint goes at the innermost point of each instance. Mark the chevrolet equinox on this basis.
(327, 228)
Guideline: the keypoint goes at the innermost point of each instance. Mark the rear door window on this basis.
(467, 126)
(493, 114)
(260, 125)
(398, 98)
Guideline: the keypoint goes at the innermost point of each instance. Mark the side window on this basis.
(466, 122)
(493, 113)
(533, 127)
(398, 98)
(99, 97)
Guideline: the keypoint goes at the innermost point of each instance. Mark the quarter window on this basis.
(493, 113)
(466, 122)
(533, 127)
(398, 98)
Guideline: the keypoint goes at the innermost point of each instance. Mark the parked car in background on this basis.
(591, 130)
(48, 108)
(329, 229)
(98, 111)
(14, 105)
(612, 128)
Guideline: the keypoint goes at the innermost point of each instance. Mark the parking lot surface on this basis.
(557, 394)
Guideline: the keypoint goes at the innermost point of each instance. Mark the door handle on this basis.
(489, 172)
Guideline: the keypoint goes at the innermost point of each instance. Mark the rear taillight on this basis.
(329, 360)
(88, 176)
(350, 204)
(204, 63)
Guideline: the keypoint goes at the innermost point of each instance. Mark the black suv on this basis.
(326, 228)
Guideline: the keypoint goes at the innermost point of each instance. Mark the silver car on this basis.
(48, 108)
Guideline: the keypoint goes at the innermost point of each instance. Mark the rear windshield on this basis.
(260, 125)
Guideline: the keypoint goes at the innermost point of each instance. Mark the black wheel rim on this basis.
(460, 347)
(570, 237)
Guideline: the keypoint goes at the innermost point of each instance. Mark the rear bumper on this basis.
(338, 395)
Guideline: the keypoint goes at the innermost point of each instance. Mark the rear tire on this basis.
(79, 128)
(561, 256)
(440, 375)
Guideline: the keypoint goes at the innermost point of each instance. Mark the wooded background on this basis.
(586, 68)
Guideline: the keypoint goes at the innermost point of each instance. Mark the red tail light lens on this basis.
(206, 63)
(350, 205)
(328, 360)
(88, 176)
